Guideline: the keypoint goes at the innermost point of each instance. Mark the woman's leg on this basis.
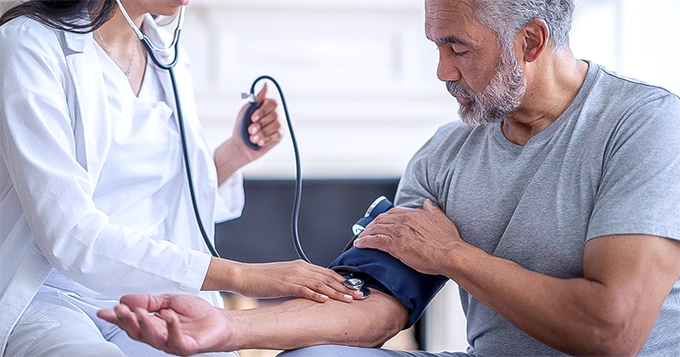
(63, 323)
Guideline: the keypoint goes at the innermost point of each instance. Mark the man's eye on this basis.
(459, 52)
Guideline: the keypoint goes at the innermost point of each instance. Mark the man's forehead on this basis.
(443, 18)
(443, 8)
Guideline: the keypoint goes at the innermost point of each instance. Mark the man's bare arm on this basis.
(185, 325)
(610, 311)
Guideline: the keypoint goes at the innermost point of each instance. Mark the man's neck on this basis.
(552, 86)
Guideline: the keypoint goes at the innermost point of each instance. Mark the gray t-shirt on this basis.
(610, 164)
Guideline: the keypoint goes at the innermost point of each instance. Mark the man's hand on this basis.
(421, 239)
(186, 325)
(178, 324)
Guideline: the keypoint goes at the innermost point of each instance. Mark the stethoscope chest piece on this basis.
(357, 285)
(354, 278)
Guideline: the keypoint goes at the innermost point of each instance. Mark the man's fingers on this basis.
(153, 329)
(148, 302)
(176, 343)
(375, 241)
(108, 315)
(127, 320)
(431, 207)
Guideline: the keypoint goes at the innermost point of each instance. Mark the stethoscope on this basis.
(354, 277)
(151, 49)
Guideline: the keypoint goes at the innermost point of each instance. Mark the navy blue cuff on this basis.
(389, 275)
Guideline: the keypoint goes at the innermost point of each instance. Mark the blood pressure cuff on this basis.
(389, 275)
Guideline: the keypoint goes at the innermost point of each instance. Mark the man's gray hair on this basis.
(506, 17)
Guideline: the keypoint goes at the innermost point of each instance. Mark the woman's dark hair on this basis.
(79, 16)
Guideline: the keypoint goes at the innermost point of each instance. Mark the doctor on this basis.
(94, 201)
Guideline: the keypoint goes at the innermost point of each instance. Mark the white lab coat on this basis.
(54, 139)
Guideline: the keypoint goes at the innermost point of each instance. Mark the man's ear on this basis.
(534, 37)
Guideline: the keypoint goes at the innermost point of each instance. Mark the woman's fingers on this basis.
(266, 125)
(323, 284)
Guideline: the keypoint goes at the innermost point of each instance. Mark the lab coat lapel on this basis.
(88, 106)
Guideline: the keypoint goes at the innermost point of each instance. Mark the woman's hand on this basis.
(296, 278)
(271, 280)
(265, 131)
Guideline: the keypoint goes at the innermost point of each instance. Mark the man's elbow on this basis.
(384, 324)
(617, 343)
(621, 333)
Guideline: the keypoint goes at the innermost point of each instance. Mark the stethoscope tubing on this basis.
(169, 67)
(351, 273)
(298, 169)
(352, 282)
(187, 166)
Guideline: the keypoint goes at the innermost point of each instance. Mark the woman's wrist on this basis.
(228, 159)
(223, 275)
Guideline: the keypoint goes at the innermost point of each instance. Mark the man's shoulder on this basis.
(452, 131)
(627, 92)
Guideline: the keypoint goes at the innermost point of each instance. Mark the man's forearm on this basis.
(300, 323)
(609, 313)
(542, 306)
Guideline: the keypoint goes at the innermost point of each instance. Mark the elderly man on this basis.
(555, 206)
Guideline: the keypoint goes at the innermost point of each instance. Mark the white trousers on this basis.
(345, 351)
(59, 322)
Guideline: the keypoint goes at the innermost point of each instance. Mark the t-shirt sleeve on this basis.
(386, 273)
(419, 181)
(639, 190)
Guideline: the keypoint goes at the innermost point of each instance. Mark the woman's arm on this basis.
(38, 99)
(265, 131)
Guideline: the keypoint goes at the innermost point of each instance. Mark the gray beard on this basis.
(501, 96)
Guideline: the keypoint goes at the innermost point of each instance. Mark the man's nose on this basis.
(448, 70)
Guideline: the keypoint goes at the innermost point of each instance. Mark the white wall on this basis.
(639, 39)
(359, 78)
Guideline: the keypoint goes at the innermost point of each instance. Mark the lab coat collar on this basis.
(78, 42)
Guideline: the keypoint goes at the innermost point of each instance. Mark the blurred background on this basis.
(359, 79)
